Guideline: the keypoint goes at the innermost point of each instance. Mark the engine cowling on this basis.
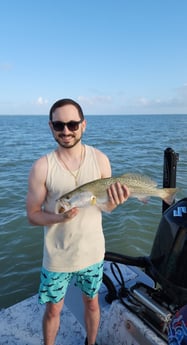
(168, 256)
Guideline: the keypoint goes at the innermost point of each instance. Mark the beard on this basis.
(67, 145)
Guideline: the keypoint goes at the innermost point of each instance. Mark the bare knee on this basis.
(91, 304)
(53, 310)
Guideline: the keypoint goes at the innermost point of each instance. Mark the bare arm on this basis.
(117, 192)
(37, 193)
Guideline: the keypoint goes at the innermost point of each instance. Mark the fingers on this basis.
(118, 193)
(126, 192)
(68, 215)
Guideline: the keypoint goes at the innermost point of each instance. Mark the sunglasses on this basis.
(59, 126)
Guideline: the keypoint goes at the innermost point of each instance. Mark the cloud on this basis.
(182, 92)
(94, 100)
(41, 101)
(143, 101)
(96, 104)
(176, 103)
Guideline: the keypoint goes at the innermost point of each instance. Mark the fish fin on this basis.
(169, 195)
(140, 197)
(103, 207)
(144, 199)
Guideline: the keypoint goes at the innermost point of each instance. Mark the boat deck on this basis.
(21, 324)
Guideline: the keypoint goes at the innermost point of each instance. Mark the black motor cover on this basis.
(168, 259)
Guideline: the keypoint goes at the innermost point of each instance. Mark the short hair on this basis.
(62, 103)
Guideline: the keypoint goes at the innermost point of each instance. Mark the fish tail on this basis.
(168, 195)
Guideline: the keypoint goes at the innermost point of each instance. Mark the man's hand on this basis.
(117, 194)
(68, 215)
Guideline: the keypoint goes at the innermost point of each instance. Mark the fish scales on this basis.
(95, 192)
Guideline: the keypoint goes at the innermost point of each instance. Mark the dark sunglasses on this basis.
(59, 126)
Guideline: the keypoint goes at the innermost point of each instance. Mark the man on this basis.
(74, 240)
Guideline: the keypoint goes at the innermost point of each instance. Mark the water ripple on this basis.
(133, 144)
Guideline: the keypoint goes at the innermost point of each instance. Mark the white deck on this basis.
(21, 324)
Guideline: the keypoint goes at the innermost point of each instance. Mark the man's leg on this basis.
(51, 321)
(92, 317)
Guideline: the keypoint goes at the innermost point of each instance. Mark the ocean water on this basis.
(133, 144)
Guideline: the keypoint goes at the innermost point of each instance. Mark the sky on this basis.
(111, 56)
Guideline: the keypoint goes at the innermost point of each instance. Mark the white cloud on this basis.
(182, 92)
(94, 100)
(176, 103)
(41, 101)
(143, 101)
(120, 103)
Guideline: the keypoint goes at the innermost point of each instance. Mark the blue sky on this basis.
(112, 56)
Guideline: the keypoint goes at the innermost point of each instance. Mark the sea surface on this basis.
(133, 144)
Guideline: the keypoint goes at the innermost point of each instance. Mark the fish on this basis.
(95, 192)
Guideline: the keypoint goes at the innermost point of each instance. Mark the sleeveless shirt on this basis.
(78, 243)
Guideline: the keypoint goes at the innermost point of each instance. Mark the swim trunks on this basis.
(53, 285)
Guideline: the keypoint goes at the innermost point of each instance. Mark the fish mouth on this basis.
(61, 210)
(67, 203)
(62, 206)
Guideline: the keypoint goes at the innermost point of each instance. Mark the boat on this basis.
(138, 296)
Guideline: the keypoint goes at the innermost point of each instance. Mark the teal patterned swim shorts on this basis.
(53, 285)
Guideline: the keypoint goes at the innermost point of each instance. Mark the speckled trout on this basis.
(95, 192)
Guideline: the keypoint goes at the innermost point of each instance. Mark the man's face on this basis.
(68, 135)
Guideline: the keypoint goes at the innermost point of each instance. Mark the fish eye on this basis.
(93, 200)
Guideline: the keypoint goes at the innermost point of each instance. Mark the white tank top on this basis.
(74, 245)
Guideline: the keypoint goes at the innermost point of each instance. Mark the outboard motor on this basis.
(166, 264)
(169, 253)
